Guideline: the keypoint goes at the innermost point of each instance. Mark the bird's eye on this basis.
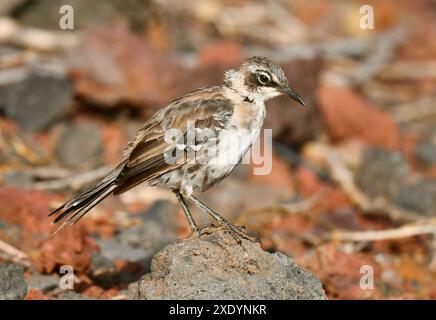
(263, 78)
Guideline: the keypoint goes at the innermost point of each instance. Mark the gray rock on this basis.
(37, 99)
(214, 266)
(139, 244)
(419, 197)
(12, 284)
(383, 173)
(157, 230)
(115, 250)
(80, 146)
(42, 282)
(103, 271)
(426, 153)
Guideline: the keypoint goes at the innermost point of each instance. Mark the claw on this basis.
(238, 233)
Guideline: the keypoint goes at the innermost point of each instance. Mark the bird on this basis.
(232, 114)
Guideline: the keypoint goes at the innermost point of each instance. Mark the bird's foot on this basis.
(206, 230)
(238, 233)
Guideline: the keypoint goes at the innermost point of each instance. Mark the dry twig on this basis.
(345, 179)
(409, 230)
(33, 38)
(75, 182)
(10, 253)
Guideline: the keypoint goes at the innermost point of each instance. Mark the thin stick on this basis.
(405, 231)
(13, 254)
(345, 179)
(38, 39)
(75, 181)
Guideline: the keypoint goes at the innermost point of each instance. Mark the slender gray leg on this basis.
(188, 214)
(236, 232)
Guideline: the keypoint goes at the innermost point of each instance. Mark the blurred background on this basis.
(352, 185)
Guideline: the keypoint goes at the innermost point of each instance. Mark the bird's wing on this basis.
(145, 155)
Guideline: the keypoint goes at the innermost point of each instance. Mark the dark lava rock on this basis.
(36, 99)
(382, 174)
(419, 197)
(215, 266)
(80, 146)
(426, 153)
(12, 284)
(103, 271)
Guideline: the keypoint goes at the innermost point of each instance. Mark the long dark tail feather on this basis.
(74, 209)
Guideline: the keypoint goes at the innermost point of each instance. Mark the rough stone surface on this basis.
(12, 284)
(382, 174)
(215, 266)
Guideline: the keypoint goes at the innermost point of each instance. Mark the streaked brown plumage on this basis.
(221, 110)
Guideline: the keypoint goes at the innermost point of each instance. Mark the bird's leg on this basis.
(236, 232)
(192, 224)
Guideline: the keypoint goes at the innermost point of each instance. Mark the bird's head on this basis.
(257, 78)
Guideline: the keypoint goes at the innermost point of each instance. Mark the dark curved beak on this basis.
(291, 93)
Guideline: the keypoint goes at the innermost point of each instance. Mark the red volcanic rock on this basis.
(347, 114)
(29, 209)
(72, 246)
(35, 294)
(114, 66)
(225, 53)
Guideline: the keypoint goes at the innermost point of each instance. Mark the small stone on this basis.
(80, 146)
(419, 197)
(103, 271)
(426, 153)
(42, 282)
(37, 99)
(159, 228)
(115, 250)
(220, 272)
(12, 284)
(382, 174)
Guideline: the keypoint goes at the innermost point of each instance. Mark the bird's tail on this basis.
(73, 210)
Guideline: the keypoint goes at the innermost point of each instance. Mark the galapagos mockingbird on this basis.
(223, 111)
